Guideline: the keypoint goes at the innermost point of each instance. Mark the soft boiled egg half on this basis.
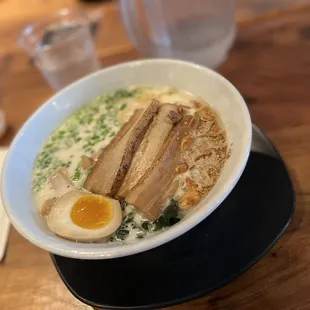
(83, 216)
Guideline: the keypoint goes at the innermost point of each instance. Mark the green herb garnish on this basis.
(77, 174)
(129, 217)
(145, 225)
(123, 106)
(169, 217)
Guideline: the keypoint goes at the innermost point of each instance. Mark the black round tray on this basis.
(227, 243)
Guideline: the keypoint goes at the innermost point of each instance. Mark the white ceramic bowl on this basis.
(203, 82)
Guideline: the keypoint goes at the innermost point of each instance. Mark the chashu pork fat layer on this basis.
(147, 195)
(112, 165)
(168, 116)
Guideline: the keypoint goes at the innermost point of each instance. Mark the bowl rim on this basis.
(158, 239)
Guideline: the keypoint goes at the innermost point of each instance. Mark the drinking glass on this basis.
(61, 46)
(201, 31)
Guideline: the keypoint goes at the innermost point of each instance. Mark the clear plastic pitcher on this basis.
(201, 31)
(61, 46)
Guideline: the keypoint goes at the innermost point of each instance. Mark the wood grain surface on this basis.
(269, 64)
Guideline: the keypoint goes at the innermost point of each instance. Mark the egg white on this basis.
(60, 222)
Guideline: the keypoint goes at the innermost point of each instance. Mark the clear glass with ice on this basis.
(61, 46)
(201, 31)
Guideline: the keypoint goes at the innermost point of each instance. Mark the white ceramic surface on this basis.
(4, 221)
(16, 185)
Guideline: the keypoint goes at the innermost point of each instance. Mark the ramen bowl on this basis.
(205, 83)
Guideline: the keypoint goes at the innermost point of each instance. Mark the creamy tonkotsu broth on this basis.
(82, 137)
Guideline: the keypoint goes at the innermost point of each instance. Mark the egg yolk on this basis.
(92, 212)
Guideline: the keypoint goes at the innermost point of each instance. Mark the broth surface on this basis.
(89, 131)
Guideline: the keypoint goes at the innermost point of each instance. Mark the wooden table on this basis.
(270, 65)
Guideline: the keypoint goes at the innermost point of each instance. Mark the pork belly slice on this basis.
(97, 178)
(168, 116)
(147, 195)
(166, 196)
(112, 165)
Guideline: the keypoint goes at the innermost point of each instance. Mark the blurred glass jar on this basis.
(201, 31)
(61, 46)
